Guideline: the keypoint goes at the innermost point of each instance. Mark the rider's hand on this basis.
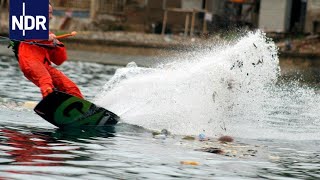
(52, 37)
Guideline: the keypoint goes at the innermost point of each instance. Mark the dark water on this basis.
(285, 146)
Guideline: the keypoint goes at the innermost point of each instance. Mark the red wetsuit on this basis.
(35, 63)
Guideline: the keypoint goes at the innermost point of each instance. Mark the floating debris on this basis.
(154, 133)
(202, 137)
(255, 45)
(161, 135)
(165, 132)
(214, 94)
(194, 163)
(274, 158)
(29, 104)
(212, 150)
(226, 139)
(190, 138)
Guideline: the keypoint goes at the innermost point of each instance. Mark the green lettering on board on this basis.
(92, 120)
(73, 114)
(76, 111)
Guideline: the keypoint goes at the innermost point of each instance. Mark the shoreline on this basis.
(120, 48)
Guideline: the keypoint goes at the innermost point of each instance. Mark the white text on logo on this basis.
(26, 22)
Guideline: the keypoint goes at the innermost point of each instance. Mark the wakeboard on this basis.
(64, 110)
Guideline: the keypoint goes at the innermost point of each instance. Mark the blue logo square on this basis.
(29, 19)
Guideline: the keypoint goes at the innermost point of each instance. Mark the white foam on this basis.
(224, 90)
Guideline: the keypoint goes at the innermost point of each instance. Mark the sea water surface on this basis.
(236, 89)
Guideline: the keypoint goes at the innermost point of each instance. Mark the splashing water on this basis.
(227, 89)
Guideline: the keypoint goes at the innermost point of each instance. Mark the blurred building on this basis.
(312, 20)
(4, 16)
(148, 15)
(182, 16)
(282, 15)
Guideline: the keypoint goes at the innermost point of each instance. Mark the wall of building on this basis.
(216, 6)
(312, 24)
(176, 20)
(274, 15)
(4, 16)
(190, 4)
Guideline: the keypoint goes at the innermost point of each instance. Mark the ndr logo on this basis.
(29, 19)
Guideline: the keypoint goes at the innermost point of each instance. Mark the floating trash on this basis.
(190, 138)
(225, 139)
(202, 137)
(29, 104)
(194, 163)
(212, 150)
(160, 136)
(165, 132)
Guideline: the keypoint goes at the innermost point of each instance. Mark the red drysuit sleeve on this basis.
(58, 54)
